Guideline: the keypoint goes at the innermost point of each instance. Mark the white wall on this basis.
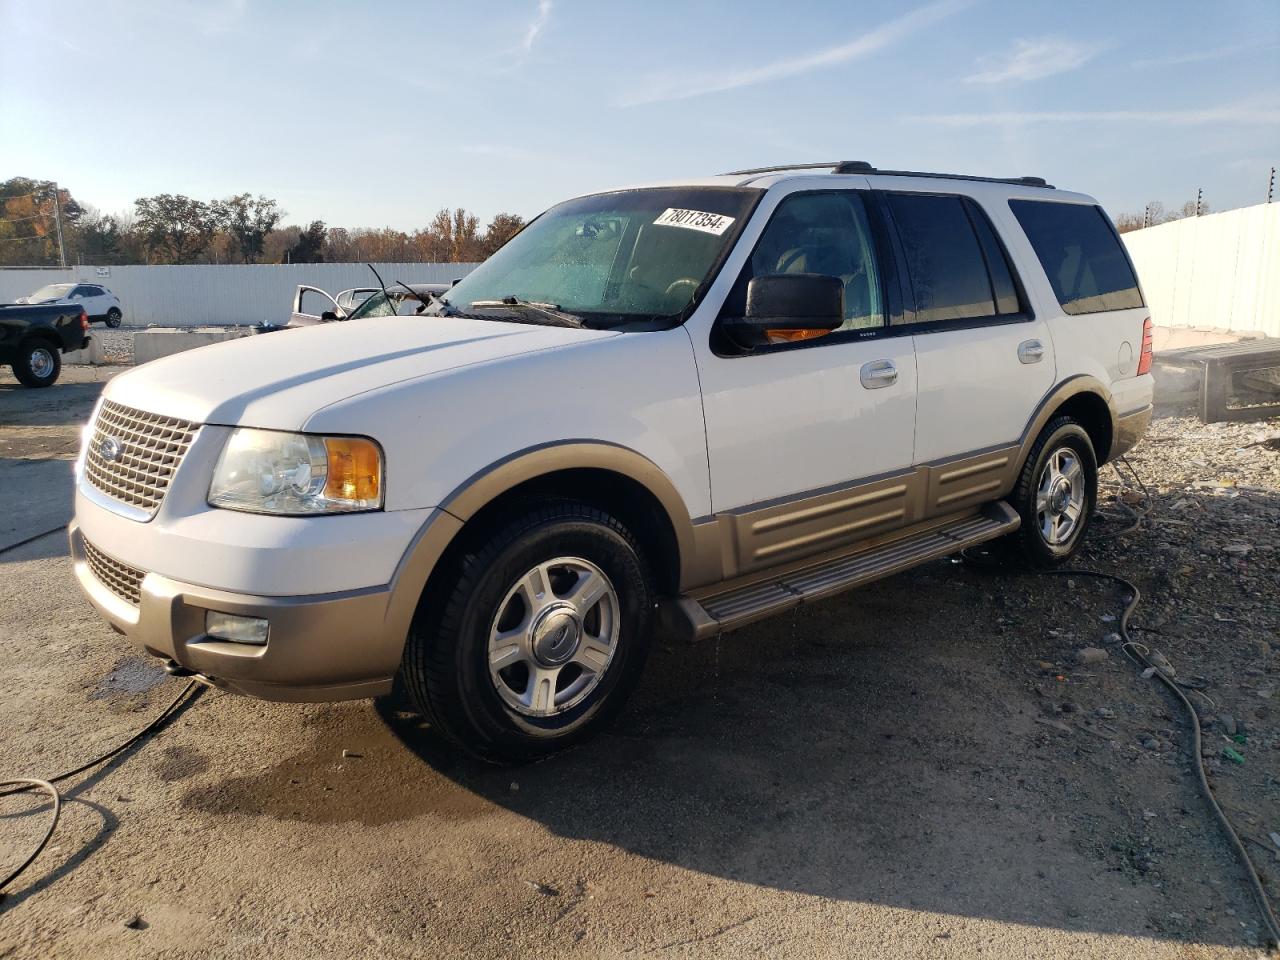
(200, 295)
(1221, 270)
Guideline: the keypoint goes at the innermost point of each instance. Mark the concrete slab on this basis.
(159, 342)
(1177, 338)
(90, 355)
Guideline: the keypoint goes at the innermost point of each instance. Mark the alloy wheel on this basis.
(554, 636)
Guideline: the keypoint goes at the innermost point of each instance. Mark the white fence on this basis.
(203, 294)
(1221, 270)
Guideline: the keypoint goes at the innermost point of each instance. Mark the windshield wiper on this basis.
(415, 294)
(549, 311)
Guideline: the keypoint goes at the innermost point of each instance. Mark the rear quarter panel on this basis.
(1105, 345)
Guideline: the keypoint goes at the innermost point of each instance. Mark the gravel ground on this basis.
(117, 344)
(919, 768)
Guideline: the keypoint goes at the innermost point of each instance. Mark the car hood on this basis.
(278, 380)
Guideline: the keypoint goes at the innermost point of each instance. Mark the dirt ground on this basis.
(918, 768)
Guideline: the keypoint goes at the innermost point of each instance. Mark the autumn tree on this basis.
(501, 228)
(174, 228)
(97, 237)
(29, 218)
(309, 247)
(247, 220)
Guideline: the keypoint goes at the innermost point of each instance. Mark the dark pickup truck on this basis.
(33, 338)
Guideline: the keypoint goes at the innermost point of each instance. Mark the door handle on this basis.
(878, 373)
(1030, 351)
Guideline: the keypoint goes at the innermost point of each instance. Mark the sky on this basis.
(378, 114)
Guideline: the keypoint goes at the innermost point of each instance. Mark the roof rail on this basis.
(864, 168)
(791, 166)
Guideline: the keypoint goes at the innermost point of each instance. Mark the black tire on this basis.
(114, 316)
(1030, 542)
(446, 661)
(38, 364)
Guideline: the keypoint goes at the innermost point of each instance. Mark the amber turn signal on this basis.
(792, 336)
(355, 469)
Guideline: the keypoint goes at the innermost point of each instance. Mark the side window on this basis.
(945, 260)
(82, 291)
(824, 233)
(998, 266)
(1081, 254)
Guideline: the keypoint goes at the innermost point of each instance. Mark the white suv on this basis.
(98, 302)
(683, 406)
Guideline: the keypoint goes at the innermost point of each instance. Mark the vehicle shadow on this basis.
(49, 406)
(927, 744)
(35, 505)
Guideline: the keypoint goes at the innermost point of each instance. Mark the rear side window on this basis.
(1081, 254)
(957, 268)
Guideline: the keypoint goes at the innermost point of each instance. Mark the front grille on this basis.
(120, 578)
(147, 451)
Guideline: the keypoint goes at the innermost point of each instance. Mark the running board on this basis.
(722, 612)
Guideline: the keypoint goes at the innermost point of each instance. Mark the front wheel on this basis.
(38, 364)
(1055, 494)
(114, 316)
(536, 637)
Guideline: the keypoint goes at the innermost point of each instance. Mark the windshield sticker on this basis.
(695, 220)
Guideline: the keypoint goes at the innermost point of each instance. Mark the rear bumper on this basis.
(1130, 428)
(337, 646)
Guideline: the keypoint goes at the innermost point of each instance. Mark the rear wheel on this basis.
(1055, 494)
(537, 635)
(38, 364)
(114, 316)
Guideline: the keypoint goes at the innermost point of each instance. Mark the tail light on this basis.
(84, 319)
(1144, 359)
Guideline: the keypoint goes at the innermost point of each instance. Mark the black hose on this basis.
(24, 784)
(1137, 652)
(31, 783)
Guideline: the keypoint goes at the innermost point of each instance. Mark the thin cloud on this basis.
(538, 25)
(1204, 56)
(1243, 114)
(1034, 60)
(682, 86)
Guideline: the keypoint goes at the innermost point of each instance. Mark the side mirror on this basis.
(786, 307)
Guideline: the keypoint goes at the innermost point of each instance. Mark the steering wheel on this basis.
(683, 281)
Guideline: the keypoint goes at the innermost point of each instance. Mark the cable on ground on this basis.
(23, 784)
(1141, 654)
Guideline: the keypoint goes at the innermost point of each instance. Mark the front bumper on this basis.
(337, 646)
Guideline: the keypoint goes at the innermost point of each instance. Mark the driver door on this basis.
(810, 443)
(310, 304)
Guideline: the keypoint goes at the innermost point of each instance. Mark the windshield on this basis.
(401, 304)
(615, 257)
(54, 291)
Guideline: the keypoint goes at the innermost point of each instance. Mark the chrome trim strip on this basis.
(100, 499)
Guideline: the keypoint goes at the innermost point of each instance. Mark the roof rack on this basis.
(862, 167)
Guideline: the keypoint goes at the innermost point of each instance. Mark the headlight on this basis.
(267, 471)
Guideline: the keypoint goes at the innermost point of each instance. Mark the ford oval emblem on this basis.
(111, 449)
